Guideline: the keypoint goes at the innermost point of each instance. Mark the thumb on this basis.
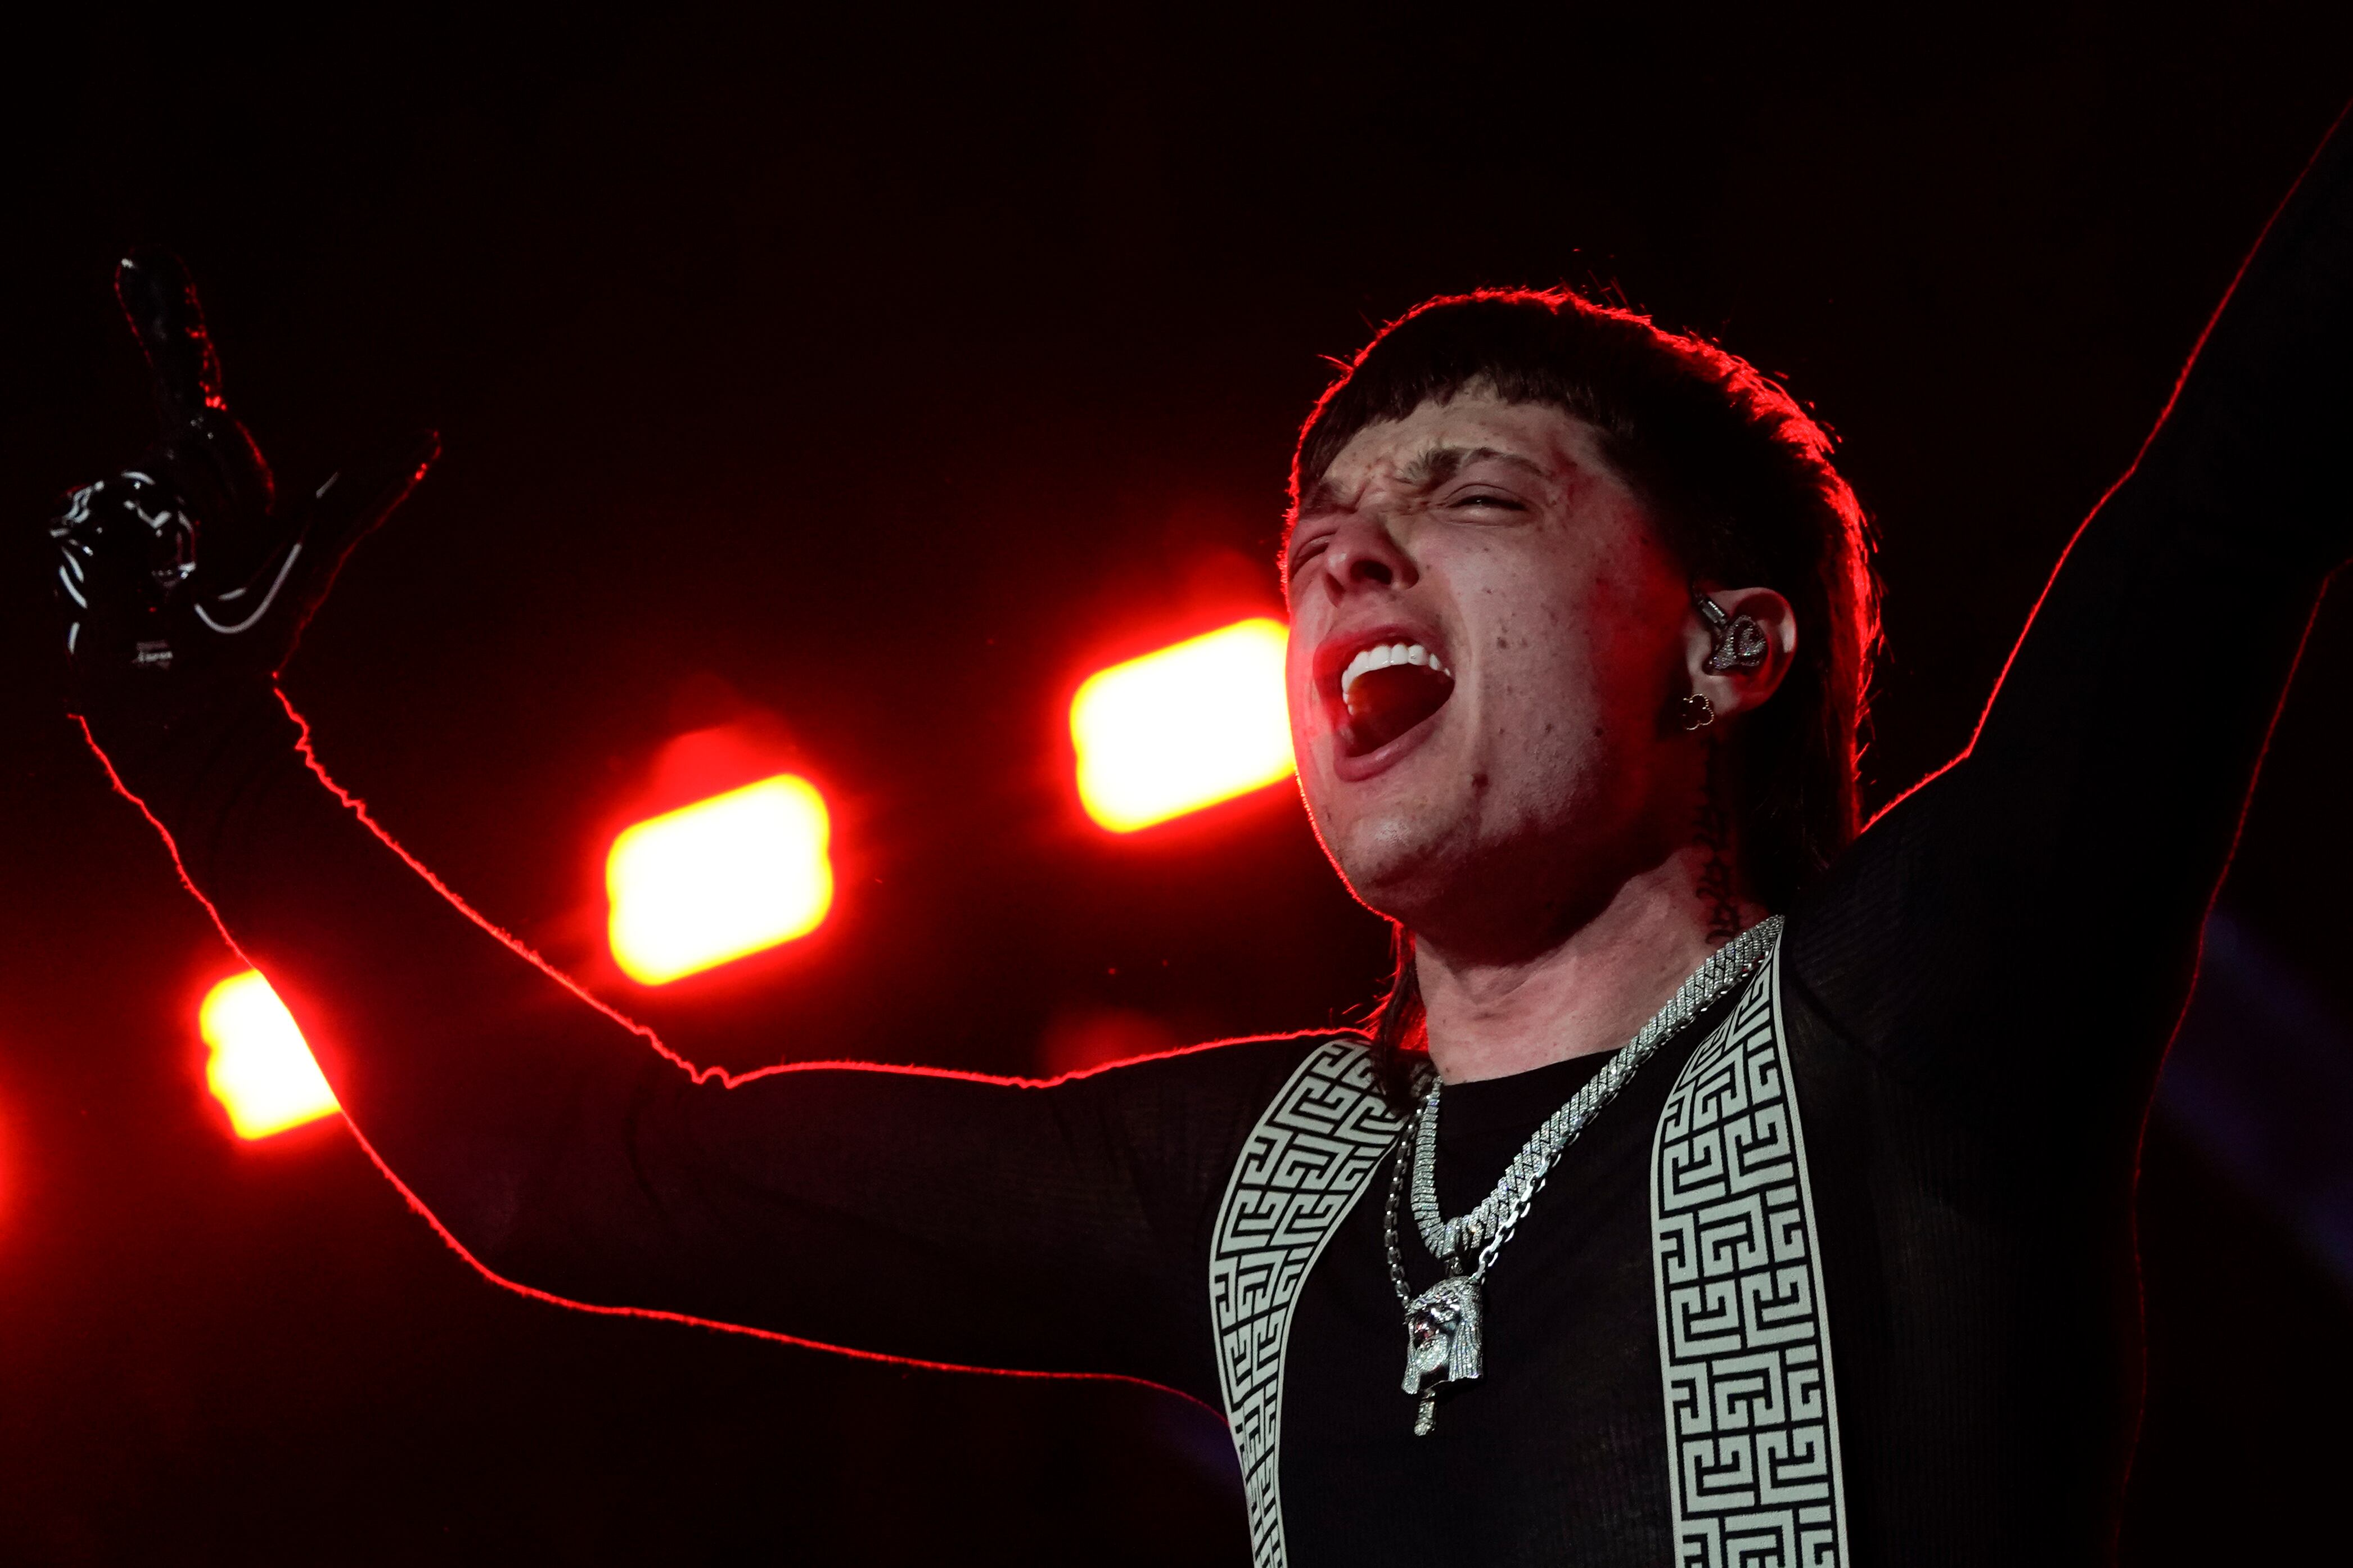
(348, 507)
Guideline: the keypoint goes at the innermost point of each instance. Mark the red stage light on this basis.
(1186, 727)
(710, 882)
(258, 1068)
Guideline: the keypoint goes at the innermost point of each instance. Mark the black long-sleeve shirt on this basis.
(1978, 997)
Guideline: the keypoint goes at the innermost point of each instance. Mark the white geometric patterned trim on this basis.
(1308, 1160)
(1743, 1328)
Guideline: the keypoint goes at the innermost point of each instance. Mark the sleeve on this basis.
(2044, 892)
(918, 1214)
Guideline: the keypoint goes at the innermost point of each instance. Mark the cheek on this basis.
(1567, 680)
(1543, 662)
(1308, 717)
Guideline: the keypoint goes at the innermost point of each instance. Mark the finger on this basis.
(156, 294)
(356, 500)
(361, 495)
(204, 450)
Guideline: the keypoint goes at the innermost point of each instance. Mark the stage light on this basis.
(710, 882)
(1186, 727)
(258, 1068)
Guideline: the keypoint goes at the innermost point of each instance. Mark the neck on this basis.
(1588, 992)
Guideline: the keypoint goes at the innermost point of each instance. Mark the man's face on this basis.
(1508, 766)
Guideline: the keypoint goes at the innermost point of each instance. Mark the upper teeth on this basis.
(1388, 653)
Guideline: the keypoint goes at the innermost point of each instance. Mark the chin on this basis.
(1394, 866)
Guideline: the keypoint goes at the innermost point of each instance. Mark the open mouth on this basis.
(1386, 689)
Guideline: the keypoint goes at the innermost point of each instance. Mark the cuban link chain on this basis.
(1443, 1329)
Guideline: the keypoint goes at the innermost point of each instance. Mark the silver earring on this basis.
(1739, 641)
(1695, 712)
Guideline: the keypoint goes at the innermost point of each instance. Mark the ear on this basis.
(1735, 689)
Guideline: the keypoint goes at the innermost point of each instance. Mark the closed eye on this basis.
(1487, 501)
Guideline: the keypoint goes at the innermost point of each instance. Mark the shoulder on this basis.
(1193, 1109)
(1238, 1075)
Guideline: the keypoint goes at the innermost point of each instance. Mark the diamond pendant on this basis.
(1442, 1343)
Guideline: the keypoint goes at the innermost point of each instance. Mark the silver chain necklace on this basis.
(1442, 1337)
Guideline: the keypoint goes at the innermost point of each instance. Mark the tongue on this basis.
(1385, 703)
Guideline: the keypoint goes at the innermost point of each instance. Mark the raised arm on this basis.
(2045, 891)
(927, 1215)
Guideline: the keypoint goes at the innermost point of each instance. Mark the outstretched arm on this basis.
(927, 1215)
(2045, 891)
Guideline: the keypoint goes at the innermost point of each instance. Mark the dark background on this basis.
(883, 378)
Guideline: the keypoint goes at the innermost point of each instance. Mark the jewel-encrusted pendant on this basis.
(1442, 1343)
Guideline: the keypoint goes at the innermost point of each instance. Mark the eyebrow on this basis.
(1427, 469)
(1433, 466)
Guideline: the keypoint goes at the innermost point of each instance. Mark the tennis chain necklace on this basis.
(1443, 1339)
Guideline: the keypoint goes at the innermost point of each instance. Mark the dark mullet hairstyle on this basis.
(1737, 480)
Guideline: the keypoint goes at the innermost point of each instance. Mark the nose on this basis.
(1364, 554)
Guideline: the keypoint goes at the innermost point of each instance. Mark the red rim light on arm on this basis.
(1198, 722)
(714, 882)
(259, 1068)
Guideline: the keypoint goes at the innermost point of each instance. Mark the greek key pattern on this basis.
(1744, 1334)
(1302, 1168)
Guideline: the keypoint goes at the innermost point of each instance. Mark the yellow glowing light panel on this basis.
(710, 882)
(1186, 727)
(258, 1068)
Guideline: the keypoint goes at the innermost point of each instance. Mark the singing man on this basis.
(1723, 1181)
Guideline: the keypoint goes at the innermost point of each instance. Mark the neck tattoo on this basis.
(1713, 834)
